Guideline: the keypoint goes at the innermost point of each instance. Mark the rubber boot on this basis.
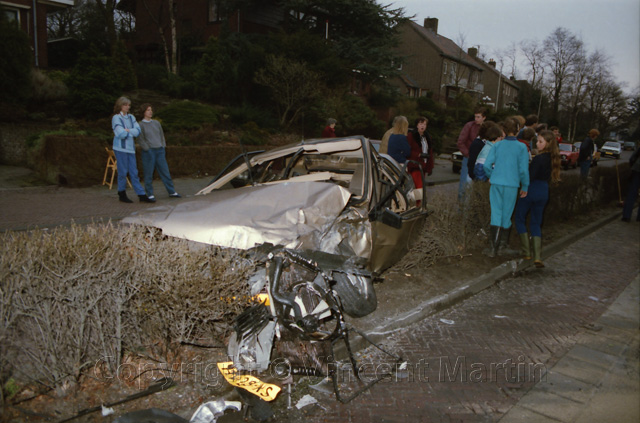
(494, 241)
(123, 197)
(526, 247)
(503, 247)
(537, 249)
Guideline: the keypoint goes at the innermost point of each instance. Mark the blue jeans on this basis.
(584, 168)
(535, 201)
(155, 159)
(126, 163)
(464, 178)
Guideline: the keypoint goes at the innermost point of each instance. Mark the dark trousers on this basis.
(632, 195)
(535, 201)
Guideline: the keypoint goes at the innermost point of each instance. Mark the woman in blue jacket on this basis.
(125, 129)
(507, 167)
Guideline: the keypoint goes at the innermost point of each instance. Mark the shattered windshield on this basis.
(343, 167)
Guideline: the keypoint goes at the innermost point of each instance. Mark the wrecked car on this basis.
(322, 218)
(338, 196)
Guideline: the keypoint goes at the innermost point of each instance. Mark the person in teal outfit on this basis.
(125, 129)
(507, 167)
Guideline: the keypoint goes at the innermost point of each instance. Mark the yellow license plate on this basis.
(266, 391)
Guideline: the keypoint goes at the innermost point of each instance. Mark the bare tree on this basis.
(171, 58)
(577, 88)
(63, 23)
(510, 57)
(534, 55)
(562, 49)
(293, 86)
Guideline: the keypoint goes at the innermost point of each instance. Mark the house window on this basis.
(444, 68)
(214, 11)
(11, 15)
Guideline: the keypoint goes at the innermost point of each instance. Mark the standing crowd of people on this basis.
(519, 157)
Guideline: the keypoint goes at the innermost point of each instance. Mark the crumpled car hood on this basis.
(242, 218)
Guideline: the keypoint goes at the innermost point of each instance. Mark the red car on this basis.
(568, 155)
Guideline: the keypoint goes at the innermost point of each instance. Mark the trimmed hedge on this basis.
(79, 160)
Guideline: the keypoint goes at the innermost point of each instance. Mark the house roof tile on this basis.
(445, 46)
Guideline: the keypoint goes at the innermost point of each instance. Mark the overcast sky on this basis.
(613, 26)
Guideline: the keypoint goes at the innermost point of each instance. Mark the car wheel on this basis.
(356, 294)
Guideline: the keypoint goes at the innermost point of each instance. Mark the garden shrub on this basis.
(48, 86)
(124, 68)
(93, 85)
(77, 300)
(252, 134)
(150, 76)
(186, 115)
(356, 118)
(264, 118)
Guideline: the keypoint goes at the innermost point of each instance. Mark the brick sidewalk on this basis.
(476, 360)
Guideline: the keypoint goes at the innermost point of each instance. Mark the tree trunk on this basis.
(174, 39)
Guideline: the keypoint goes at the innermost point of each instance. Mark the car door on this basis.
(396, 215)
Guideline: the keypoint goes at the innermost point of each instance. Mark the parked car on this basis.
(596, 154)
(568, 155)
(629, 145)
(456, 161)
(611, 149)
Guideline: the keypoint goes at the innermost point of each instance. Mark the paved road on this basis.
(535, 347)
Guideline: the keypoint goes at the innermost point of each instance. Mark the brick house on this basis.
(435, 64)
(195, 19)
(31, 17)
(499, 91)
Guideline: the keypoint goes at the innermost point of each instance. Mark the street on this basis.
(442, 172)
(475, 361)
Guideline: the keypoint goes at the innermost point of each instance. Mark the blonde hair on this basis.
(554, 152)
(117, 108)
(400, 125)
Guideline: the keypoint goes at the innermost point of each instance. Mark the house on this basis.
(31, 17)
(499, 91)
(435, 64)
(196, 20)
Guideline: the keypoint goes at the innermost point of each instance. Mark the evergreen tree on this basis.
(93, 85)
(15, 66)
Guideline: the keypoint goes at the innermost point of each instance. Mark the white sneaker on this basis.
(175, 195)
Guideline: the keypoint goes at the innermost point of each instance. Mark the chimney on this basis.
(473, 52)
(492, 63)
(431, 24)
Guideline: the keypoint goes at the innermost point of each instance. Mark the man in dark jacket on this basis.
(586, 152)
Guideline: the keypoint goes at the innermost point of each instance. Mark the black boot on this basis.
(144, 199)
(503, 248)
(494, 241)
(123, 197)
